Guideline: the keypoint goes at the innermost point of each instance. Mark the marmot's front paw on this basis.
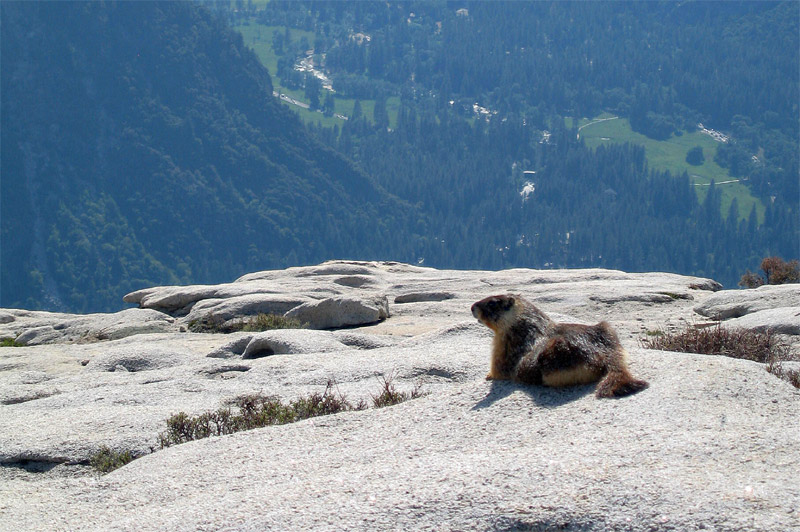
(489, 377)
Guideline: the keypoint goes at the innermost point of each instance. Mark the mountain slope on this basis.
(141, 145)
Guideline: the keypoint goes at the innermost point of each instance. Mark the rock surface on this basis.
(711, 444)
(34, 328)
(738, 303)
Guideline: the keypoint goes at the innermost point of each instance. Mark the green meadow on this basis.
(670, 155)
(259, 38)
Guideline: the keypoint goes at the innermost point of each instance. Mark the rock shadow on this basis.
(541, 395)
(31, 466)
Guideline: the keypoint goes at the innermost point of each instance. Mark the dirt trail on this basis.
(597, 121)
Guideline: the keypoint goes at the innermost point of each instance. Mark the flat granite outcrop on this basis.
(710, 445)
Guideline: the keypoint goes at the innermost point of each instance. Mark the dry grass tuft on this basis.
(765, 347)
(262, 322)
(389, 395)
(718, 340)
(256, 410)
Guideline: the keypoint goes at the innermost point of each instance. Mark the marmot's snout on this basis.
(476, 311)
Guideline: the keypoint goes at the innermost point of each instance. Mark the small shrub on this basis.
(10, 342)
(256, 410)
(105, 460)
(751, 280)
(207, 324)
(253, 411)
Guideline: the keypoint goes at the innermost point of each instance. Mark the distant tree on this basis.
(329, 107)
(379, 113)
(695, 156)
(776, 271)
(356, 110)
(312, 89)
(779, 271)
(278, 40)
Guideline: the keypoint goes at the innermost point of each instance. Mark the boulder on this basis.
(235, 308)
(737, 303)
(330, 313)
(170, 299)
(784, 320)
(416, 297)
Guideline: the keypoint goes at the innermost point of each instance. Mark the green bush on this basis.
(106, 460)
(250, 412)
(10, 342)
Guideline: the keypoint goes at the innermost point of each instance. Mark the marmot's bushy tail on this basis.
(619, 383)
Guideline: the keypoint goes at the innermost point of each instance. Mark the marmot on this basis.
(531, 348)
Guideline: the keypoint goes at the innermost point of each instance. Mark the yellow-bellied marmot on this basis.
(531, 348)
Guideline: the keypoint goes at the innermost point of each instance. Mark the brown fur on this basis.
(531, 348)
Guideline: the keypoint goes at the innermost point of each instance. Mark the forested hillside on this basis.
(141, 145)
(142, 142)
(487, 90)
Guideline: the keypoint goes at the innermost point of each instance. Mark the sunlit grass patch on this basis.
(670, 154)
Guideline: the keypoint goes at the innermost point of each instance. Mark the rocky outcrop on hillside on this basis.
(711, 444)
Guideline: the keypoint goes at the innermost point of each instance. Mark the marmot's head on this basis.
(495, 311)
